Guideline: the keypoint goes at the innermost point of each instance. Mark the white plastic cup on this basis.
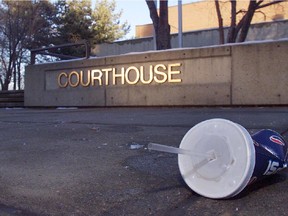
(234, 165)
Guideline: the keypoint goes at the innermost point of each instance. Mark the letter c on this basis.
(60, 84)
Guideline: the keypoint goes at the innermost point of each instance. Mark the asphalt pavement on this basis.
(79, 162)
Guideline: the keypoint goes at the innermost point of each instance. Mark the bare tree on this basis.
(238, 31)
(12, 29)
(160, 23)
(23, 24)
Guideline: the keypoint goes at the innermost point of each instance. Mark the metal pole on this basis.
(180, 36)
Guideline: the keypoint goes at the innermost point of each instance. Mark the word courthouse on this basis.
(159, 73)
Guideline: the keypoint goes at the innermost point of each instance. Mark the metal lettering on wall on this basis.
(131, 75)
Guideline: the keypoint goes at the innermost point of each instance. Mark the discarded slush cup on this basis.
(231, 158)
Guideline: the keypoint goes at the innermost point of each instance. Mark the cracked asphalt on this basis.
(80, 162)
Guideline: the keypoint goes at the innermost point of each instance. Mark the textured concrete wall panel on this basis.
(260, 73)
(246, 74)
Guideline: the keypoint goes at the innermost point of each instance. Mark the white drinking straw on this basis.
(169, 149)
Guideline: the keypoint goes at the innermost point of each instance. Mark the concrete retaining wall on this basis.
(257, 32)
(260, 73)
(247, 74)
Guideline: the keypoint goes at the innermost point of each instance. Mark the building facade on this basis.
(202, 15)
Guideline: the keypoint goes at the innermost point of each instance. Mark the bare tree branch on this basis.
(270, 3)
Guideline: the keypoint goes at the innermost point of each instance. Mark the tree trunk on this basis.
(164, 27)
(247, 20)
(220, 22)
(232, 33)
(14, 75)
(153, 13)
(6, 82)
(160, 23)
(1, 83)
(19, 73)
